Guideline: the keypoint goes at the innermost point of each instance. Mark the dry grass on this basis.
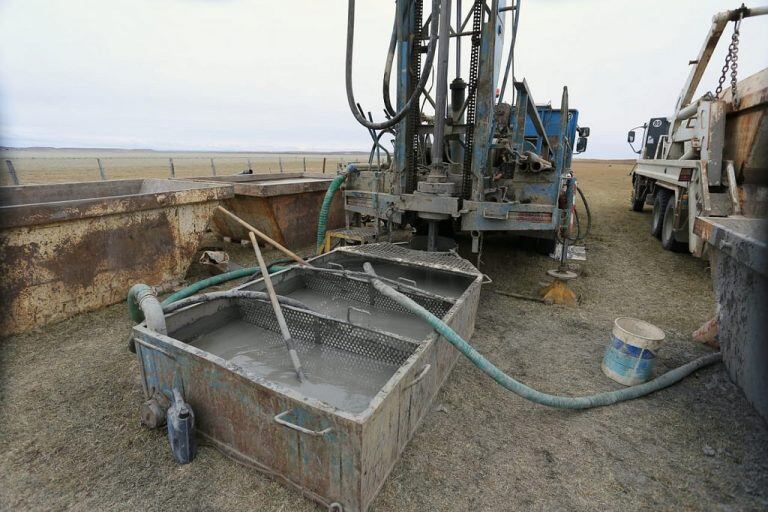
(69, 396)
(35, 166)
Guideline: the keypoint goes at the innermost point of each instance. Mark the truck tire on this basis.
(668, 240)
(638, 196)
(659, 207)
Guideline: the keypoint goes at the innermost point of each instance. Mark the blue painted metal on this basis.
(627, 363)
(550, 118)
(404, 133)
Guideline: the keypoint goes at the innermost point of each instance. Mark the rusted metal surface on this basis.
(746, 142)
(283, 206)
(67, 249)
(235, 411)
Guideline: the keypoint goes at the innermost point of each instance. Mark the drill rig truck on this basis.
(469, 161)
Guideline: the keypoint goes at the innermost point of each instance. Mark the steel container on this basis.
(738, 254)
(331, 455)
(76, 247)
(284, 206)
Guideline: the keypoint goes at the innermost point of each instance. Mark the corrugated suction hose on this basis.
(325, 208)
(561, 402)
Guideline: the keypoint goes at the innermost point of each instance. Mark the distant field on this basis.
(43, 165)
(47, 165)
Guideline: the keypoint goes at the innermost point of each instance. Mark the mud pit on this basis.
(69, 395)
(334, 376)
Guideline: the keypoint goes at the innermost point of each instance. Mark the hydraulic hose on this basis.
(377, 143)
(398, 116)
(388, 68)
(561, 402)
(579, 236)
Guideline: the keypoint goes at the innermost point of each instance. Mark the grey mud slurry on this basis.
(339, 378)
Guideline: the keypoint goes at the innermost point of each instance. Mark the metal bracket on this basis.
(350, 309)
(730, 173)
(495, 213)
(317, 433)
(154, 347)
(420, 376)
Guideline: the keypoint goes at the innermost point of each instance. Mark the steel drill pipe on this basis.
(537, 163)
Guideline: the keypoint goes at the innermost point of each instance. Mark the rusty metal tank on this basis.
(76, 247)
(372, 369)
(284, 206)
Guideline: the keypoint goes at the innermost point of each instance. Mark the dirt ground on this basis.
(69, 396)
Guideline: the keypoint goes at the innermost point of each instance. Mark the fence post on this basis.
(305, 164)
(173, 169)
(323, 165)
(12, 172)
(102, 174)
(213, 167)
(280, 161)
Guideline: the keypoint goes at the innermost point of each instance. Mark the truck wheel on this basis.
(638, 197)
(668, 240)
(659, 207)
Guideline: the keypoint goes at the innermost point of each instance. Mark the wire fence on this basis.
(30, 170)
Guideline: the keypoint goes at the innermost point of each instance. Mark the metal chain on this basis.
(731, 62)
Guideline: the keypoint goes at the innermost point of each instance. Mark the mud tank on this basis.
(372, 369)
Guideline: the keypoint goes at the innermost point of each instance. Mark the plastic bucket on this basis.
(631, 354)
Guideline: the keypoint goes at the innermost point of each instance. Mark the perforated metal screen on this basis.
(356, 342)
(338, 285)
(397, 252)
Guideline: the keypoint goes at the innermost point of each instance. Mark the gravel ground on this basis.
(69, 396)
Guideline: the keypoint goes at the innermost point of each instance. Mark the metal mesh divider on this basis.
(306, 327)
(350, 288)
(397, 252)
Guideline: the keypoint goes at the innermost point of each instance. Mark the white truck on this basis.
(709, 159)
(705, 170)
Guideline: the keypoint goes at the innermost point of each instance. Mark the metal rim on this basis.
(638, 328)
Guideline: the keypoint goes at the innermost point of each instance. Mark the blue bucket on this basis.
(631, 354)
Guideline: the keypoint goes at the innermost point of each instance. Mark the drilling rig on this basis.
(463, 159)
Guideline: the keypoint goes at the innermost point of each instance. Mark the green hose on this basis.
(322, 219)
(137, 316)
(562, 402)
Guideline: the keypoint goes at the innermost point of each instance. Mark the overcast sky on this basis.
(258, 75)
